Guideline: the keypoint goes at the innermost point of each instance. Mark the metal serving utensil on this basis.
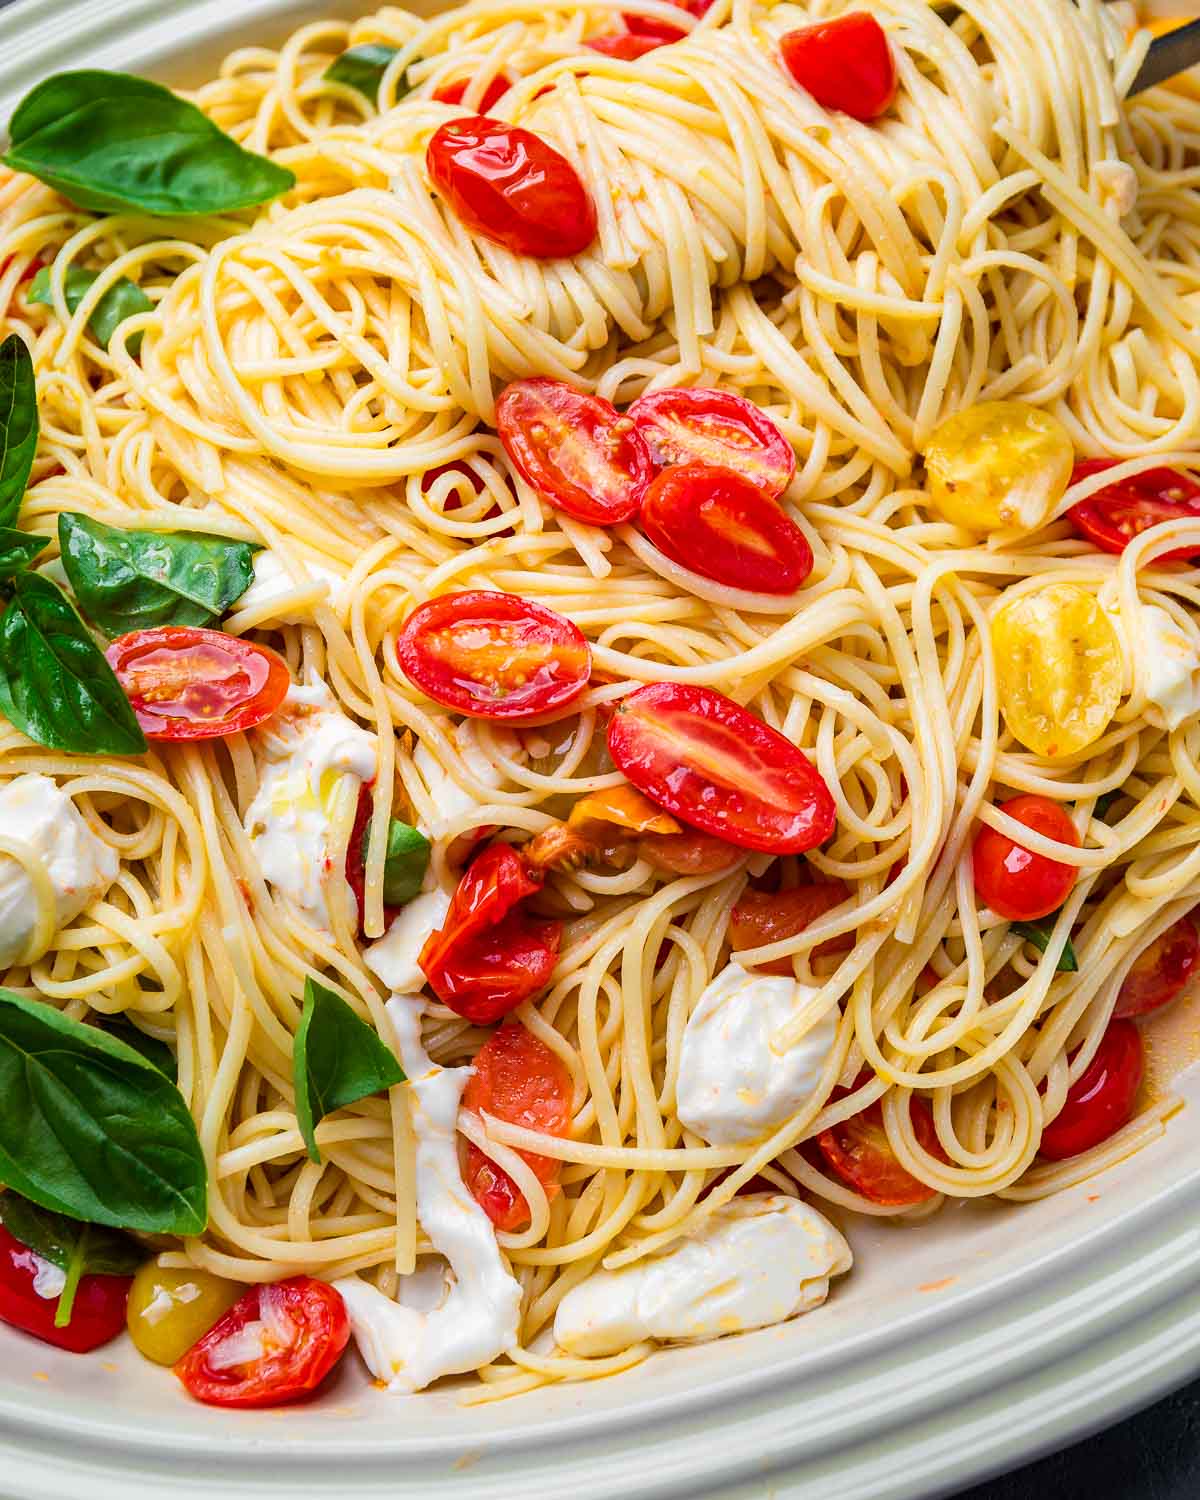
(1173, 52)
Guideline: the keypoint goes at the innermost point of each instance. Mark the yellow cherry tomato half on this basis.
(1059, 668)
(170, 1309)
(1001, 465)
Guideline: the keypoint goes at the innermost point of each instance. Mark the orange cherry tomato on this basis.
(452, 92)
(1012, 880)
(517, 1078)
(1112, 517)
(716, 523)
(186, 683)
(1161, 972)
(626, 45)
(577, 451)
(859, 1152)
(844, 64)
(715, 766)
(494, 656)
(762, 917)
(687, 853)
(687, 425)
(1102, 1100)
(663, 31)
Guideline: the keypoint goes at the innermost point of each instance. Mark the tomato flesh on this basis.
(1161, 972)
(715, 427)
(844, 64)
(274, 1346)
(762, 917)
(689, 853)
(577, 451)
(512, 187)
(626, 45)
(517, 1078)
(663, 31)
(98, 1314)
(1015, 882)
(494, 656)
(859, 1152)
(452, 93)
(1112, 517)
(1102, 1100)
(715, 766)
(187, 683)
(717, 524)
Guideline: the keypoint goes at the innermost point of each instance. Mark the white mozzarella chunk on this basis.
(394, 957)
(1160, 657)
(461, 1310)
(52, 866)
(449, 799)
(49, 1280)
(272, 582)
(733, 1085)
(756, 1261)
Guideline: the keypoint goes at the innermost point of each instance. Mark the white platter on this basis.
(954, 1350)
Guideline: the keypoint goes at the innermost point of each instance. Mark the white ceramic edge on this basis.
(915, 1410)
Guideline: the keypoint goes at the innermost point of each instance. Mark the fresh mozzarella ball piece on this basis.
(49, 1280)
(1161, 656)
(273, 582)
(449, 799)
(754, 1262)
(314, 760)
(394, 957)
(52, 866)
(733, 1085)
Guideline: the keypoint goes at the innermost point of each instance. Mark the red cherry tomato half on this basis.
(844, 64)
(717, 524)
(452, 93)
(762, 917)
(663, 31)
(1112, 517)
(186, 683)
(517, 1078)
(859, 1152)
(716, 427)
(1161, 971)
(1103, 1098)
(624, 44)
(489, 956)
(577, 451)
(705, 759)
(275, 1345)
(494, 656)
(512, 187)
(1012, 880)
(97, 1316)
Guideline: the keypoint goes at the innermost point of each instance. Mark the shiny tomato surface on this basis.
(511, 186)
(1015, 882)
(1102, 1101)
(860, 1154)
(186, 683)
(452, 92)
(97, 1316)
(762, 917)
(1112, 517)
(715, 427)
(844, 64)
(1161, 971)
(663, 31)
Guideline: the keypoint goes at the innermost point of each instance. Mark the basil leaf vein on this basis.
(362, 68)
(18, 549)
(1040, 933)
(337, 1059)
(18, 425)
(122, 300)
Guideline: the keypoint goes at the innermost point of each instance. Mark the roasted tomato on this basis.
(859, 1152)
(494, 656)
(275, 1345)
(685, 426)
(511, 186)
(97, 1316)
(626, 45)
(517, 1078)
(999, 465)
(705, 759)
(186, 683)
(1112, 517)
(1160, 972)
(1015, 882)
(489, 955)
(844, 64)
(663, 31)
(1102, 1100)
(452, 92)
(717, 524)
(687, 853)
(762, 917)
(577, 451)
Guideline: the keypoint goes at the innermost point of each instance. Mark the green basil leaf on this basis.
(90, 1129)
(404, 864)
(121, 301)
(114, 143)
(18, 549)
(1039, 934)
(55, 684)
(154, 1051)
(336, 1060)
(135, 580)
(78, 1249)
(18, 425)
(362, 68)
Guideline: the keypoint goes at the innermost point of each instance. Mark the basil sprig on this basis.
(337, 1059)
(136, 580)
(114, 143)
(404, 864)
(122, 300)
(18, 425)
(363, 67)
(90, 1129)
(1040, 933)
(77, 1248)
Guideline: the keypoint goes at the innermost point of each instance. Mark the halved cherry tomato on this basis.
(685, 426)
(687, 853)
(1112, 517)
(663, 31)
(577, 451)
(844, 64)
(512, 187)
(488, 955)
(452, 92)
(998, 465)
(186, 683)
(705, 759)
(494, 656)
(761, 917)
(97, 1316)
(624, 44)
(275, 1345)
(1102, 1100)
(859, 1152)
(517, 1078)
(1161, 972)
(719, 525)
(1015, 882)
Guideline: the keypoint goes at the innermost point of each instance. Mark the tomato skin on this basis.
(494, 656)
(1103, 1098)
(97, 1317)
(1161, 972)
(687, 853)
(626, 45)
(577, 451)
(663, 31)
(715, 766)
(716, 523)
(1016, 883)
(761, 917)
(319, 1330)
(858, 1152)
(1112, 517)
(693, 425)
(512, 187)
(844, 64)
(452, 92)
(517, 1078)
(188, 683)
